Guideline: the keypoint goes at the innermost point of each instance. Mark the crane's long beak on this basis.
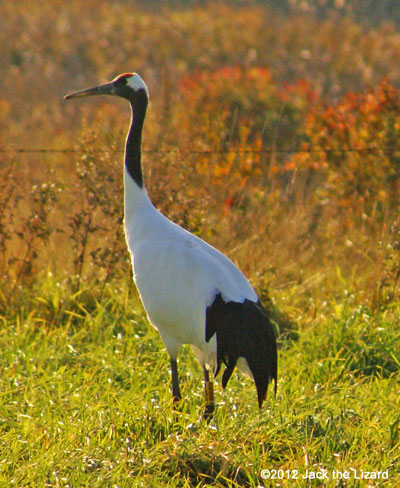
(106, 89)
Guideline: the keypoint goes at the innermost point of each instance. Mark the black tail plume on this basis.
(244, 330)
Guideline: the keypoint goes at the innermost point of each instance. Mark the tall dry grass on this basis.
(217, 88)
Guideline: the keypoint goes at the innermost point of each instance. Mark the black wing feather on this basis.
(243, 330)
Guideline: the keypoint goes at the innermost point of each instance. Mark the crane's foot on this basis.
(210, 405)
(176, 400)
(177, 405)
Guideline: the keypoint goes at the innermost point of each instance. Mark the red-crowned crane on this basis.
(192, 293)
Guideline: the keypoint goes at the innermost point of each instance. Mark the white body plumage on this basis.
(178, 275)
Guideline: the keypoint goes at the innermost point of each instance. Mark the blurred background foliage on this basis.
(272, 132)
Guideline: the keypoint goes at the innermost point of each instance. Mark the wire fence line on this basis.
(389, 149)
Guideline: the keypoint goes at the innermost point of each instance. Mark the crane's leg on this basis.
(176, 392)
(209, 394)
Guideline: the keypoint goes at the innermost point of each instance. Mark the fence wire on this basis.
(205, 151)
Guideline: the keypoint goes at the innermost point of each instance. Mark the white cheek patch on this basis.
(137, 83)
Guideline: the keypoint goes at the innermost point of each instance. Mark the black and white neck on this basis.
(138, 100)
(131, 87)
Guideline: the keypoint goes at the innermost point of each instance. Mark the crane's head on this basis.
(127, 85)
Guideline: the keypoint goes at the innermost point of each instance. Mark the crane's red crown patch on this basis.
(124, 75)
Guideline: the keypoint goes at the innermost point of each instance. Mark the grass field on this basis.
(273, 134)
(86, 402)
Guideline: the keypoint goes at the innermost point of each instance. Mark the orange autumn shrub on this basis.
(353, 157)
(236, 117)
(233, 97)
